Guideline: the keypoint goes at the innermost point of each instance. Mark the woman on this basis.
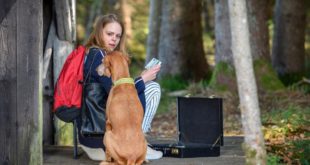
(109, 35)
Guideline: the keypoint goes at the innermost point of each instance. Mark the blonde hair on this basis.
(95, 39)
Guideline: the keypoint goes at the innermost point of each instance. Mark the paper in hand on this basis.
(153, 62)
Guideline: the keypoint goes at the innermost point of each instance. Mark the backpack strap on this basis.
(102, 53)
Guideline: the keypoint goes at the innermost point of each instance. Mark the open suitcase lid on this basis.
(200, 121)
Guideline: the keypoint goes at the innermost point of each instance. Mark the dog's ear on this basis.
(107, 66)
(127, 59)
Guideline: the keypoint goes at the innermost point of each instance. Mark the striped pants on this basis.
(152, 97)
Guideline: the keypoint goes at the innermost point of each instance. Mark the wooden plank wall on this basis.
(21, 50)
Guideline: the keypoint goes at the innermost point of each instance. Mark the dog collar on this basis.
(124, 81)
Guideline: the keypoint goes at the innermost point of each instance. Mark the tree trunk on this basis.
(259, 35)
(94, 11)
(21, 35)
(154, 30)
(266, 78)
(288, 52)
(223, 76)
(250, 113)
(208, 13)
(126, 11)
(180, 44)
(222, 33)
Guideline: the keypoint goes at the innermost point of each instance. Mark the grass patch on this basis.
(273, 159)
(301, 150)
(167, 103)
(223, 77)
(170, 84)
(302, 86)
(266, 77)
(173, 83)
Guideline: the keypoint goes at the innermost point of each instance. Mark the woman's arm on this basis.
(146, 76)
(140, 86)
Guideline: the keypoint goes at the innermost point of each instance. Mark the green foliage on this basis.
(202, 83)
(137, 44)
(291, 78)
(273, 159)
(270, 30)
(167, 103)
(172, 83)
(169, 84)
(221, 77)
(136, 66)
(307, 65)
(301, 150)
(82, 8)
(64, 134)
(224, 67)
(250, 154)
(266, 77)
(208, 44)
(301, 86)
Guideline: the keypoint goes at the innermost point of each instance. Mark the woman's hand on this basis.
(150, 74)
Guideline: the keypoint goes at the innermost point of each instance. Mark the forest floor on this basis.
(278, 134)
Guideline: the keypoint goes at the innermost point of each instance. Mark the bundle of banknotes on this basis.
(153, 62)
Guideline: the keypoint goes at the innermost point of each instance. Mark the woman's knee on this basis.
(153, 87)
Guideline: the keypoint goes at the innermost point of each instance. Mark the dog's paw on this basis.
(100, 70)
(106, 163)
(146, 161)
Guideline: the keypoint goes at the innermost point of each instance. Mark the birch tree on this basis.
(250, 113)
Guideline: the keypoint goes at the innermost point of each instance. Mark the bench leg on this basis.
(75, 147)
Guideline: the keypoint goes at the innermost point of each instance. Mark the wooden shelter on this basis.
(21, 47)
(35, 38)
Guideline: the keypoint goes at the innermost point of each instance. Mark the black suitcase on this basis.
(188, 150)
(200, 126)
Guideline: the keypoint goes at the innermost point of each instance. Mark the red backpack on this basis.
(69, 86)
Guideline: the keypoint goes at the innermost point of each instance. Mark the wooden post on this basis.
(63, 44)
(21, 24)
(47, 73)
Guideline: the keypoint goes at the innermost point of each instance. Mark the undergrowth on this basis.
(286, 133)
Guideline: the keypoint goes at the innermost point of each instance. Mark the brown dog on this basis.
(124, 140)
